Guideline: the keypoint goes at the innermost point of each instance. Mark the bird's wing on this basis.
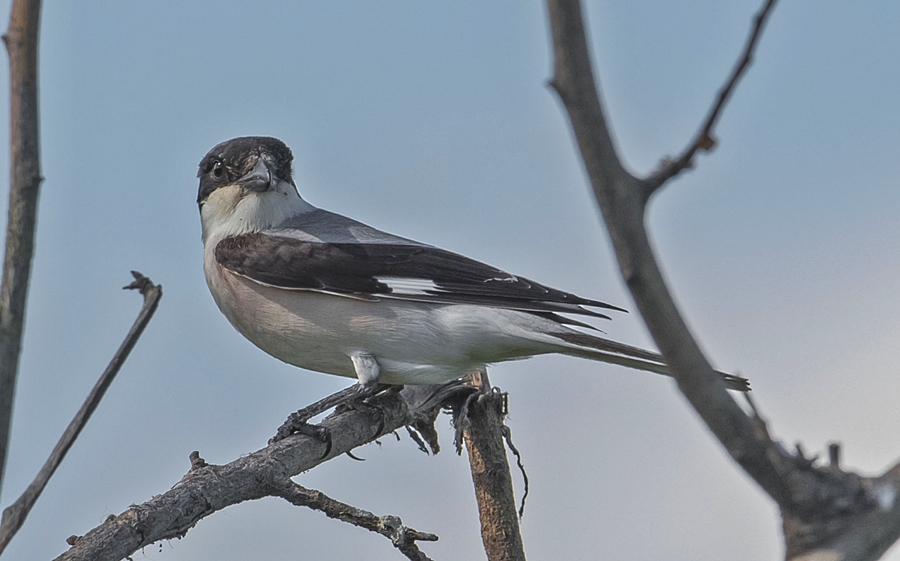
(331, 253)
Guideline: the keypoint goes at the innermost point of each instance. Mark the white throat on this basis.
(232, 211)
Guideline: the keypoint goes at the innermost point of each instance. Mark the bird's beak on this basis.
(259, 179)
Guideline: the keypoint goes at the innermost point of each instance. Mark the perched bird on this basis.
(327, 293)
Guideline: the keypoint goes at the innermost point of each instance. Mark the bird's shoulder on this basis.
(322, 226)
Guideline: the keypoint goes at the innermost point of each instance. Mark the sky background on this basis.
(433, 121)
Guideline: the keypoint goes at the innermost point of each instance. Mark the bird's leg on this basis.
(367, 372)
(297, 421)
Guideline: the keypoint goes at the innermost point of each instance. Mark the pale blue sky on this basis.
(434, 122)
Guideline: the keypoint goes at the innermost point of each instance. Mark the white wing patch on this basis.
(510, 278)
(412, 287)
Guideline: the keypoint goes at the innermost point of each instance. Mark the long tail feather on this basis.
(597, 348)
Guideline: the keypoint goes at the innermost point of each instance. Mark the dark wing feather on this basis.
(360, 269)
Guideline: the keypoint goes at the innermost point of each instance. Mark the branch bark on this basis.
(14, 515)
(704, 139)
(209, 488)
(21, 41)
(483, 434)
(623, 200)
(403, 538)
(828, 513)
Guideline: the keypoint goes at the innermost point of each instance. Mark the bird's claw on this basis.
(350, 398)
(297, 423)
(365, 407)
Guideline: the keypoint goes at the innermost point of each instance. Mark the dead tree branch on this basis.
(14, 515)
(209, 488)
(824, 509)
(403, 538)
(622, 200)
(704, 139)
(483, 434)
(21, 41)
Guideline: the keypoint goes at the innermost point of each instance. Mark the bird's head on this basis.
(246, 185)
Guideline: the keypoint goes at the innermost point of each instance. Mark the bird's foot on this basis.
(362, 405)
(298, 422)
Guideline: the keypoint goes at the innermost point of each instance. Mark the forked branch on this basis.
(824, 509)
(622, 199)
(265, 473)
(403, 538)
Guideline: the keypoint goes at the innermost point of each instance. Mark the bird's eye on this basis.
(217, 169)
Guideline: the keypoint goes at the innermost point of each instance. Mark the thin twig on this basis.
(391, 527)
(704, 139)
(507, 436)
(21, 41)
(14, 515)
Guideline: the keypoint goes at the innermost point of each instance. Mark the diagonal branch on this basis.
(828, 513)
(25, 179)
(622, 199)
(209, 488)
(14, 515)
(704, 139)
(391, 527)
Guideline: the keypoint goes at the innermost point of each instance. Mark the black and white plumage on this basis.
(327, 293)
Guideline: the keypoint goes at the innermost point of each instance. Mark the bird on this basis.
(327, 293)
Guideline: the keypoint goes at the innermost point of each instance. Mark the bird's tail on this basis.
(597, 348)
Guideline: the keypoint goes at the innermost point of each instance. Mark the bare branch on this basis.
(14, 515)
(403, 538)
(828, 513)
(704, 139)
(573, 80)
(25, 179)
(623, 201)
(210, 488)
(483, 435)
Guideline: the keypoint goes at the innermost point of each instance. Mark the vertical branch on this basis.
(490, 474)
(21, 41)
